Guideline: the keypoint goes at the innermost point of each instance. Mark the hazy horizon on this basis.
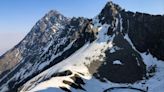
(18, 17)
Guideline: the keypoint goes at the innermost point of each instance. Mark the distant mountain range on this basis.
(116, 51)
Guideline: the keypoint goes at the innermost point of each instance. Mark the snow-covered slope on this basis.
(85, 82)
(108, 53)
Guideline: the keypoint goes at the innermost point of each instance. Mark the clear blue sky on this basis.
(18, 16)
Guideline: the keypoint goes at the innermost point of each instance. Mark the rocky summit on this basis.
(115, 51)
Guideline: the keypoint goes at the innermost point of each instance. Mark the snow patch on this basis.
(117, 62)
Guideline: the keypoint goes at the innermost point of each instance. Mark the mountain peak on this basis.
(112, 7)
(53, 13)
(110, 11)
(109, 3)
(52, 18)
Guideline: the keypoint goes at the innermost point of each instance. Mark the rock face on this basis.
(132, 67)
(146, 32)
(73, 53)
(32, 45)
